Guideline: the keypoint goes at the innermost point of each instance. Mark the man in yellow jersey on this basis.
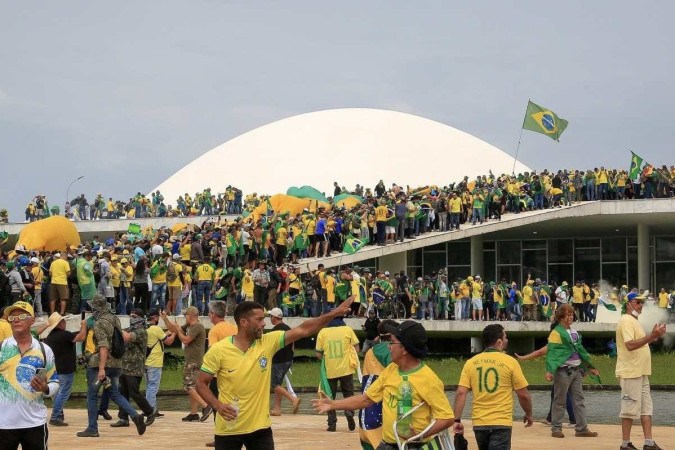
(408, 346)
(174, 281)
(59, 270)
(381, 214)
(242, 364)
(338, 347)
(154, 362)
(204, 277)
(330, 282)
(492, 376)
(455, 207)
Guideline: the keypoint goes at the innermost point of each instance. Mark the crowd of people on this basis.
(488, 195)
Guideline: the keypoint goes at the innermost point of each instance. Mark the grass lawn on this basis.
(306, 374)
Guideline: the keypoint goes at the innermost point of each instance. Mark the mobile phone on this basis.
(42, 373)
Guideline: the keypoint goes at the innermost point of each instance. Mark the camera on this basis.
(104, 382)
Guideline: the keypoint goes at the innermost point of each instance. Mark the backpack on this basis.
(171, 273)
(591, 294)
(117, 346)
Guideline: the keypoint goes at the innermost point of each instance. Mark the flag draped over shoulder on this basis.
(324, 386)
(561, 347)
(353, 244)
(544, 121)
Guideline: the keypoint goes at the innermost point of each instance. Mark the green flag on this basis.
(609, 306)
(353, 245)
(324, 386)
(544, 121)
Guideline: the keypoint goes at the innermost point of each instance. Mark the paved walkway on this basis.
(307, 432)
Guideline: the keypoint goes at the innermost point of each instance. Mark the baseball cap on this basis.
(276, 312)
(634, 296)
(176, 256)
(412, 335)
(23, 306)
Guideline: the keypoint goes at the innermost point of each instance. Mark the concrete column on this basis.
(643, 259)
(394, 262)
(477, 263)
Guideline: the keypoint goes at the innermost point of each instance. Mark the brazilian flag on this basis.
(301, 241)
(544, 121)
(545, 301)
(353, 245)
(342, 291)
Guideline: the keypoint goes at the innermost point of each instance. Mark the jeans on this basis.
(493, 438)
(539, 201)
(442, 221)
(115, 395)
(400, 229)
(454, 221)
(158, 295)
(590, 190)
(476, 215)
(565, 380)
(513, 308)
(125, 302)
(466, 308)
(62, 396)
(203, 292)
(153, 378)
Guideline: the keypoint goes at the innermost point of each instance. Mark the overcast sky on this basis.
(127, 93)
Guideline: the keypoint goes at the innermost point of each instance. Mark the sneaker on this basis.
(350, 423)
(191, 418)
(586, 433)
(151, 418)
(58, 423)
(630, 446)
(158, 414)
(105, 415)
(557, 434)
(87, 433)
(651, 447)
(330, 428)
(206, 412)
(571, 425)
(546, 422)
(140, 424)
(120, 423)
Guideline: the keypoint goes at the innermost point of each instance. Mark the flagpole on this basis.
(515, 158)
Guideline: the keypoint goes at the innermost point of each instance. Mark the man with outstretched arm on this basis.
(242, 366)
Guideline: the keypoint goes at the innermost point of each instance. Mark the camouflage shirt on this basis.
(103, 335)
(133, 361)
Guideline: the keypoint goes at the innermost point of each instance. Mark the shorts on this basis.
(174, 292)
(312, 239)
(319, 238)
(477, 304)
(279, 371)
(58, 291)
(636, 398)
(389, 230)
(190, 376)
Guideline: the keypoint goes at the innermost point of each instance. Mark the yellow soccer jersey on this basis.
(156, 356)
(427, 387)
(492, 376)
(335, 343)
(245, 376)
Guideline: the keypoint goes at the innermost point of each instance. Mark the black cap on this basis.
(138, 312)
(153, 312)
(412, 335)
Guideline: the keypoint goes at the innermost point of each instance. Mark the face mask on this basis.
(634, 312)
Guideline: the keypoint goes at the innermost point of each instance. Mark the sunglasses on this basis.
(19, 317)
(640, 302)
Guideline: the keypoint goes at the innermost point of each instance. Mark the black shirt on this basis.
(285, 354)
(370, 327)
(61, 343)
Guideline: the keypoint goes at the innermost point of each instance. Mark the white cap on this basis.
(276, 312)
(35, 260)
(176, 256)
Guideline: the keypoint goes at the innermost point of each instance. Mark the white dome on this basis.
(349, 146)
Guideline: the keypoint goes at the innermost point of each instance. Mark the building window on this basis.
(508, 252)
(459, 253)
(613, 249)
(560, 251)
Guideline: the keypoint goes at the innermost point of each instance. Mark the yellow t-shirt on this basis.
(247, 284)
(294, 282)
(577, 294)
(184, 252)
(156, 356)
(527, 295)
(381, 213)
(220, 331)
(37, 276)
(427, 388)
(636, 363)
(205, 273)
(455, 205)
(245, 376)
(310, 225)
(115, 274)
(663, 300)
(476, 290)
(161, 274)
(129, 271)
(59, 272)
(492, 376)
(282, 235)
(5, 330)
(330, 288)
(177, 268)
(336, 344)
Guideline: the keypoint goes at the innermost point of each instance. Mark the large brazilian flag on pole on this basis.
(544, 121)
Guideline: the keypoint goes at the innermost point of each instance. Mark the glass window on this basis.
(489, 263)
(369, 263)
(414, 271)
(560, 250)
(436, 248)
(510, 274)
(587, 242)
(459, 253)
(665, 276)
(433, 262)
(665, 248)
(489, 245)
(632, 241)
(587, 264)
(534, 263)
(455, 272)
(415, 257)
(557, 273)
(613, 249)
(632, 268)
(539, 243)
(615, 274)
(508, 252)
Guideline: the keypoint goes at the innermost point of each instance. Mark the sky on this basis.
(127, 93)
